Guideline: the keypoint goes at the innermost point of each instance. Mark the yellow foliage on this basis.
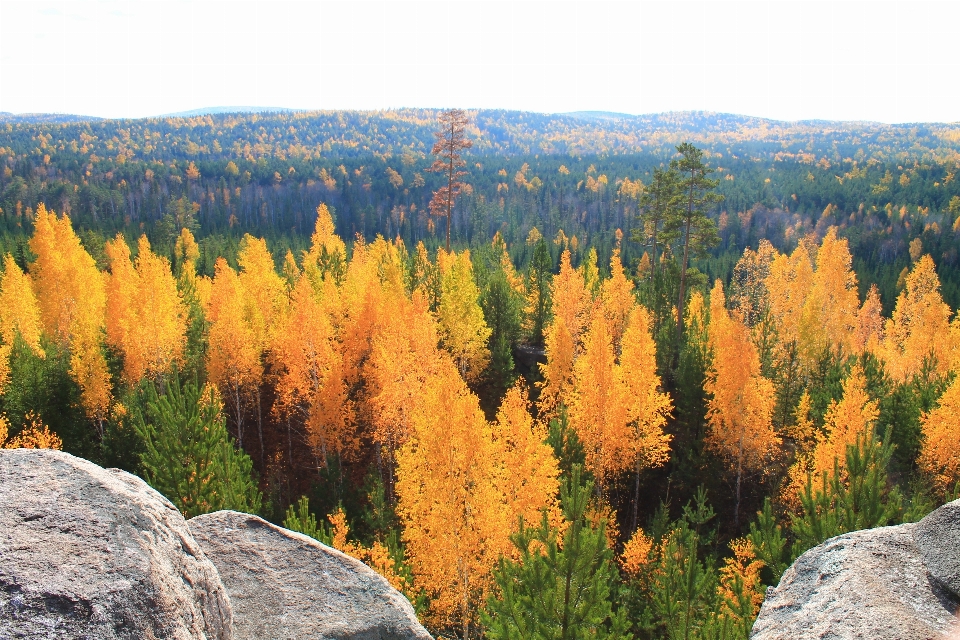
(571, 302)
(636, 554)
(146, 315)
(72, 298)
(557, 384)
(940, 455)
(741, 570)
(19, 309)
(35, 436)
(741, 406)
(843, 422)
(920, 326)
(463, 330)
(529, 479)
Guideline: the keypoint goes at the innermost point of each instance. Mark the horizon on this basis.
(242, 110)
(800, 61)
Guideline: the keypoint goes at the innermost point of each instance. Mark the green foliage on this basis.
(558, 590)
(538, 283)
(501, 310)
(302, 520)
(567, 447)
(769, 543)
(859, 496)
(188, 455)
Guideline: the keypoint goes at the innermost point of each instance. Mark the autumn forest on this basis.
(569, 376)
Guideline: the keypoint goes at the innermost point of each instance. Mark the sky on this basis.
(881, 61)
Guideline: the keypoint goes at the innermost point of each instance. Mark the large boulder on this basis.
(870, 584)
(283, 584)
(938, 538)
(92, 553)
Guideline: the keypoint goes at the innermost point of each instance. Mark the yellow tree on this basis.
(328, 253)
(557, 384)
(788, 286)
(19, 315)
(147, 318)
(828, 319)
(648, 406)
(919, 329)
(233, 356)
(463, 331)
(844, 422)
(448, 485)
(741, 405)
(72, 299)
(940, 455)
(529, 477)
(19, 309)
(571, 301)
(403, 357)
(265, 298)
(617, 299)
(599, 410)
(308, 367)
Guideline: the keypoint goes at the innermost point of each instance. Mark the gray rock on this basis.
(283, 584)
(938, 538)
(866, 584)
(92, 553)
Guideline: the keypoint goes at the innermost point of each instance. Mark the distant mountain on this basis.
(206, 111)
(599, 115)
(38, 118)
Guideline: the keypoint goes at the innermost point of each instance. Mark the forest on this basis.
(500, 357)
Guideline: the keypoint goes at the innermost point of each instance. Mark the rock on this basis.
(938, 538)
(865, 584)
(283, 584)
(92, 553)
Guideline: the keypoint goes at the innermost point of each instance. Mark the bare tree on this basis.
(451, 140)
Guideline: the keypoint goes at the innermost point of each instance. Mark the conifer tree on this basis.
(451, 142)
(688, 223)
(559, 588)
(658, 203)
(537, 309)
(188, 455)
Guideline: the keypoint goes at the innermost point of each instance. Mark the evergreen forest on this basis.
(553, 376)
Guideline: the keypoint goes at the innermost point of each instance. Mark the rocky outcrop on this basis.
(283, 584)
(886, 583)
(87, 552)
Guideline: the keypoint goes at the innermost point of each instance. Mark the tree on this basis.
(853, 494)
(308, 367)
(451, 142)
(501, 310)
(657, 204)
(72, 298)
(689, 223)
(844, 422)
(146, 319)
(741, 405)
(940, 455)
(450, 501)
(19, 316)
(463, 331)
(530, 471)
(559, 587)
(538, 292)
(233, 358)
(189, 457)
(919, 328)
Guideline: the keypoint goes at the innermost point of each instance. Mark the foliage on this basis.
(560, 586)
(188, 455)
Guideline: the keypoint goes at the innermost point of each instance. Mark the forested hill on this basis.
(223, 175)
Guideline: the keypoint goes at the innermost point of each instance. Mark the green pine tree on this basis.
(188, 455)
(856, 497)
(558, 590)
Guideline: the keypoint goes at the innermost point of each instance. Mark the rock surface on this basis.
(92, 553)
(284, 584)
(865, 584)
(938, 538)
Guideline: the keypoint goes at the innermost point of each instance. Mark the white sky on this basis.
(891, 62)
